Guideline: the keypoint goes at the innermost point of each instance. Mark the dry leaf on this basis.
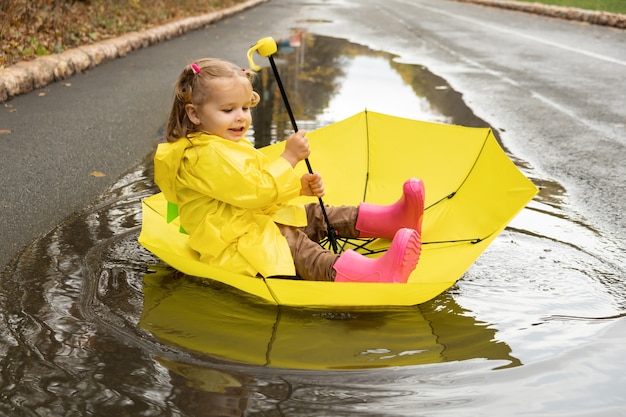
(97, 174)
(38, 27)
(43, 93)
(67, 84)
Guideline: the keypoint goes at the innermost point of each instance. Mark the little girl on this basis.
(235, 203)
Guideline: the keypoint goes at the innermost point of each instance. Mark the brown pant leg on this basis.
(312, 262)
(341, 218)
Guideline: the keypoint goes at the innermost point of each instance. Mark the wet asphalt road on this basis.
(555, 89)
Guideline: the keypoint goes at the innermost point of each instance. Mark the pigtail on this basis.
(178, 124)
(252, 77)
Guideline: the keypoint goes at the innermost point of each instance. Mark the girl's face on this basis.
(227, 112)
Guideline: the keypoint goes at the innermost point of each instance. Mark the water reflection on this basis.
(210, 318)
(207, 391)
(385, 91)
(329, 79)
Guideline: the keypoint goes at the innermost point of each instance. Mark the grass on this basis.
(613, 6)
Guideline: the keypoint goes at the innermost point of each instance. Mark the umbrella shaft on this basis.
(331, 230)
(287, 106)
(282, 93)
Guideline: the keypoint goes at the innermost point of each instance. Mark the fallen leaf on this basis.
(67, 84)
(43, 93)
(97, 174)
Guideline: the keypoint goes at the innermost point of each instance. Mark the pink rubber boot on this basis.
(394, 266)
(384, 221)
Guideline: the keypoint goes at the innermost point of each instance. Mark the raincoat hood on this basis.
(167, 160)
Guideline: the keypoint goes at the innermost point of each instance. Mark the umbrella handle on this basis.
(267, 47)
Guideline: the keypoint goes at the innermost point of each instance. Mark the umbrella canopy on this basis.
(473, 190)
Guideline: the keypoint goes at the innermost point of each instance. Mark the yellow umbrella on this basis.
(473, 190)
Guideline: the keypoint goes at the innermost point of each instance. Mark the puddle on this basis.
(329, 79)
(92, 324)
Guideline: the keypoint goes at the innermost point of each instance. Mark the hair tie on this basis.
(195, 68)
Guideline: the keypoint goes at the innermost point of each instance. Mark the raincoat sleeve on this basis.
(238, 174)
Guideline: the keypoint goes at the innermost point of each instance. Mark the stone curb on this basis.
(569, 13)
(27, 76)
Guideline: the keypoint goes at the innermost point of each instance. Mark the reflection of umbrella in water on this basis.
(472, 191)
(214, 321)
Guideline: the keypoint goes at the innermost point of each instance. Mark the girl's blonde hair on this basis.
(194, 86)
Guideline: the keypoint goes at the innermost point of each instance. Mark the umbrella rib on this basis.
(473, 241)
(269, 288)
(367, 143)
(453, 193)
(448, 197)
(482, 148)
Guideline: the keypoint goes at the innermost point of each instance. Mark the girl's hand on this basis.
(296, 148)
(312, 185)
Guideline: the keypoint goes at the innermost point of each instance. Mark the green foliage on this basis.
(613, 6)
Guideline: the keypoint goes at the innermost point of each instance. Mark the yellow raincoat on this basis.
(230, 197)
